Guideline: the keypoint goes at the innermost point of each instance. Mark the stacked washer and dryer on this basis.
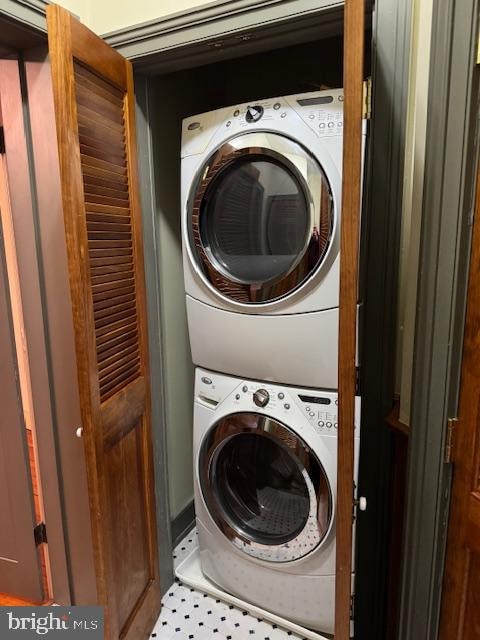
(261, 194)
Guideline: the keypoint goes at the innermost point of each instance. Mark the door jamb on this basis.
(443, 273)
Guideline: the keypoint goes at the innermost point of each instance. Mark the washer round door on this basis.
(264, 487)
(260, 218)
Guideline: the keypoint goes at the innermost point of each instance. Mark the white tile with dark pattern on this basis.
(188, 614)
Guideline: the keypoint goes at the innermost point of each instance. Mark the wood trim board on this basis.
(354, 34)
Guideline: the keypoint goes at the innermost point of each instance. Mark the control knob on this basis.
(254, 113)
(261, 397)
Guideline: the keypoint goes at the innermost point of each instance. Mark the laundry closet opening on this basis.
(306, 67)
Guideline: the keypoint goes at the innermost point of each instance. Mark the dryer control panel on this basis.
(321, 111)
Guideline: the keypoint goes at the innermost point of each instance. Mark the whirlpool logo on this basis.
(25, 623)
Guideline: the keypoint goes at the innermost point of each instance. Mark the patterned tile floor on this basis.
(188, 614)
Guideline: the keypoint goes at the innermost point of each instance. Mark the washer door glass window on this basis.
(265, 488)
(261, 218)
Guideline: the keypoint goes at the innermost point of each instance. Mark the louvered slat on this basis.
(109, 231)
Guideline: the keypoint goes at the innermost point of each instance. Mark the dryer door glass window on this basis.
(265, 488)
(255, 221)
(261, 218)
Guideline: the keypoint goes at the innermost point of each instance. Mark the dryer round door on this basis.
(260, 218)
(265, 488)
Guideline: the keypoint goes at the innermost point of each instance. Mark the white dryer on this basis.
(261, 197)
(265, 461)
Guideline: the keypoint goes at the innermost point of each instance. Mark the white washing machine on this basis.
(261, 197)
(265, 459)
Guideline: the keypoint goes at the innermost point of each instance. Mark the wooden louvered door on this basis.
(94, 109)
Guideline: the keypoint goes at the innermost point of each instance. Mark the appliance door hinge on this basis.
(40, 533)
(352, 606)
(452, 424)
(367, 99)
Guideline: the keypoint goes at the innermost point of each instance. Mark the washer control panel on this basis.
(262, 395)
(319, 408)
(322, 411)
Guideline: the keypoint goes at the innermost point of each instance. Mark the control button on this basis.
(321, 125)
(307, 409)
(236, 113)
(193, 125)
(312, 414)
(228, 123)
(329, 425)
(283, 115)
(339, 124)
(206, 380)
(336, 425)
(321, 423)
(287, 406)
(340, 98)
(244, 388)
(277, 106)
(311, 116)
(261, 397)
(331, 124)
(254, 113)
(237, 396)
(281, 396)
(336, 401)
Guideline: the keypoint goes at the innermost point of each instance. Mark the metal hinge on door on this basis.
(450, 443)
(367, 99)
(40, 533)
(357, 381)
(352, 606)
